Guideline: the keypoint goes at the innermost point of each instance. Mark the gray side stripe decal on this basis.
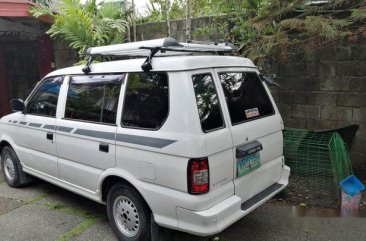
(50, 127)
(96, 134)
(138, 140)
(64, 129)
(144, 140)
(35, 125)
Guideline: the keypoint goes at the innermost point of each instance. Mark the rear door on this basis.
(215, 134)
(256, 130)
(86, 135)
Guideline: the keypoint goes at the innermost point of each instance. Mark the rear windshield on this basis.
(245, 96)
(207, 102)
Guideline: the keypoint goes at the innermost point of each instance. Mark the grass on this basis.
(71, 210)
(78, 229)
(37, 198)
(31, 201)
(89, 219)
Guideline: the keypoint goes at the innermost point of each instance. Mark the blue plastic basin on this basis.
(352, 185)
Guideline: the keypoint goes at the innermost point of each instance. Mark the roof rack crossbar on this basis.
(146, 66)
(87, 69)
(189, 50)
(159, 47)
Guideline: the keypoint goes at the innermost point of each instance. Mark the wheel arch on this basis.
(109, 181)
(3, 144)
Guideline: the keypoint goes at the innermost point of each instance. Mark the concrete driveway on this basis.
(45, 212)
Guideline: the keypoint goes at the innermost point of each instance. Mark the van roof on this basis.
(176, 63)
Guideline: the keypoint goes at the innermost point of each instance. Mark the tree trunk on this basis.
(168, 16)
(134, 20)
(188, 21)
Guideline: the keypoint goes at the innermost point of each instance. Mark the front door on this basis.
(36, 136)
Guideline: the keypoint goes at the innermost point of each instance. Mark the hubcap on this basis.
(126, 216)
(9, 168)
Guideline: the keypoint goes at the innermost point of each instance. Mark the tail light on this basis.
(198, 176)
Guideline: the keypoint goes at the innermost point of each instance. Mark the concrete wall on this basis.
(326, 89)
(64, 55)
(178, 29)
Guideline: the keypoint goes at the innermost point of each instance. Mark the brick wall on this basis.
(326, 89)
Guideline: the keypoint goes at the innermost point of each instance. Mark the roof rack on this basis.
(158, 47)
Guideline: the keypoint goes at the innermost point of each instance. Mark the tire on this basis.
(10, 166)
(128, 214)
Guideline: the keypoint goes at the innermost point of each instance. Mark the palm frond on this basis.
(359, 14)
(84, 25)
(292, 24)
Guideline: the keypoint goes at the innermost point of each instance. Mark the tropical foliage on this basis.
(260, 28)
(157, 10)
(84, 25)
(280, 28)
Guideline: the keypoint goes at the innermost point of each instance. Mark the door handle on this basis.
(50, 136)
(104, 147)
(248, 149)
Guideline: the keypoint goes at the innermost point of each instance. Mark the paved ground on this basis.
(45, 212)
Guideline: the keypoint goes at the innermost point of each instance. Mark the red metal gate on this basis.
(45, 55)
(4, 91)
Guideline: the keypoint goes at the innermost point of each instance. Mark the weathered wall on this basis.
(326, 89)
(64, 55)
(178, 29)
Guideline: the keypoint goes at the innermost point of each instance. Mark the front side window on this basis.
(93, 98)
(207, 102)
(146, 103)
(245, 96)
(44, 100)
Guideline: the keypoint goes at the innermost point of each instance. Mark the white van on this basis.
(196, 141)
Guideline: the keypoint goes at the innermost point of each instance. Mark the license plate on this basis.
(248, 164)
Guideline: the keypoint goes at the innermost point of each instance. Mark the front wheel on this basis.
(128, 214)
(10, 166)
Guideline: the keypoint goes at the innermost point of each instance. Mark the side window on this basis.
(44, 100)
(93, 98)
(207, 102)
(245, 96)
(146, 102)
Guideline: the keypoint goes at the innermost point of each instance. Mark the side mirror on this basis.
(270, 79)
(17, 105)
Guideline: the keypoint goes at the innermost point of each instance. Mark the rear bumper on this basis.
(222, 215)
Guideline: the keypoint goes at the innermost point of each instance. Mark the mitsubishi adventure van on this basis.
(186, 136)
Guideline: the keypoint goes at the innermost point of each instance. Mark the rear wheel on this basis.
(128, 214)
(10, 165)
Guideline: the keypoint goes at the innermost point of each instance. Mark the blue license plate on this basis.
(248, 164)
